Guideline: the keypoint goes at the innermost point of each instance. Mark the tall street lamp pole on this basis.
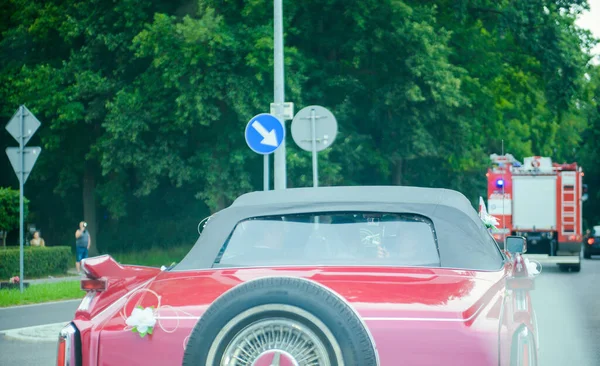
(279, 95)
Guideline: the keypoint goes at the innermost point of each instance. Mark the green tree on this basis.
(212, 72)
(144, 105)
(67, 61)
(590, 149)
(524, 63)
(9, 211)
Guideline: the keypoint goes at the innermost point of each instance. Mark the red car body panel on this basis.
(417, 316)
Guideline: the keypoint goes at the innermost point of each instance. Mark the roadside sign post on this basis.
(264, 134)
(280, 170)
(21, 203)
(287, 114)
(266, 175)
(314, 129)
(22, 126)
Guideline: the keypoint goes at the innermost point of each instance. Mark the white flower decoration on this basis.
(489, 221)
(531, 267)
(142, 320)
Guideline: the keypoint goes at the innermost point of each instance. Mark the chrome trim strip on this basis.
(86, 301)
(67, 333)
(503, 295)
(521, 300)
(178, 317)
(416, 319)
(290, 266)
(393, 318)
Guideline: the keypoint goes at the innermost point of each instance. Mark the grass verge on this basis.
(153, 257)
(67, 290)
(43, 292)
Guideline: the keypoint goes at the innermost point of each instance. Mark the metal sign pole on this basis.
(22, 127)
(21, 186)
(266, 172)
(310, 138)
(313, 128)
(279, 94)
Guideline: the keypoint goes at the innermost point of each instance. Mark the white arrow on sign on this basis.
(269, 138)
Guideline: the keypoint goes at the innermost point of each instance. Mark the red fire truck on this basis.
(541, 201)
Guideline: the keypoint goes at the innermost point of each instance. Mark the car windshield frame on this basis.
(326, 232)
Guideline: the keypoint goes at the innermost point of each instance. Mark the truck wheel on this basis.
(587, 255)
(280, 319)
(570, 267)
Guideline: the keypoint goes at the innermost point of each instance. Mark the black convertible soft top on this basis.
(464, 242)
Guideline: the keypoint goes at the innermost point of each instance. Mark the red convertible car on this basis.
(333, 276)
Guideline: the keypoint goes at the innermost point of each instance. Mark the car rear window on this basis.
(349, 238)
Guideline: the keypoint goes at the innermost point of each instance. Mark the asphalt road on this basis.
(14, 352)
(568, 312)
(567, 306)
(30, 315)
(19, 353)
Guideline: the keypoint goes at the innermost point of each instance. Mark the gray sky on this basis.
(591, 20)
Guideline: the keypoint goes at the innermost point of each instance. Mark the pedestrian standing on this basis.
(37, 240)
(82, 243)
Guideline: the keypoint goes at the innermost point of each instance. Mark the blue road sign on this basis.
(264, 133)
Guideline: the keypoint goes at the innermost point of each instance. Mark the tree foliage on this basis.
(144, 105)
(590, 148)
(9, 211)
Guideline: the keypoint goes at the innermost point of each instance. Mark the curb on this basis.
(38, 304)
(38, 333)
(51, 279)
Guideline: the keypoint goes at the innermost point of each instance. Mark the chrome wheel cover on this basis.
(285, 338)
(295, 341)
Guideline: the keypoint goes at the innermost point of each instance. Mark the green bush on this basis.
(37, 262)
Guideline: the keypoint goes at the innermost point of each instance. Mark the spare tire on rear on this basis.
(280, 317)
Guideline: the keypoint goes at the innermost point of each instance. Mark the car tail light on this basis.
(591, 241)
(67, 346)
(97, 285)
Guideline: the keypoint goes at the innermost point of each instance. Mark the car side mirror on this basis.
(515, 244)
